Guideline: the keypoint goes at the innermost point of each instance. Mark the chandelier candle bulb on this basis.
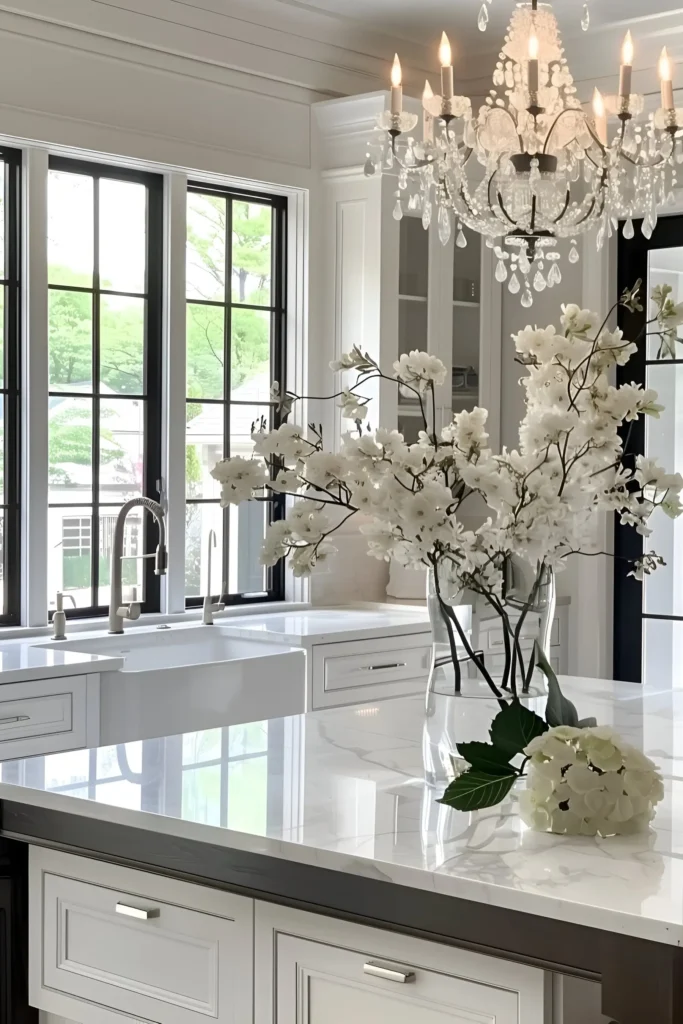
(446, 68)
(396, 90)
(626, 68)
(666, 79)
(427, 119)
(533, 64)
(600, 116)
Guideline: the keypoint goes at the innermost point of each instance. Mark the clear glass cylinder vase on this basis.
(481, 651)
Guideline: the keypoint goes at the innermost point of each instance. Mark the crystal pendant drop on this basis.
(389, 159)
(426, 214)
(539, 281)
(524, 264)
(629, 230)
(483, 19)
(554, 276)
(369, 167)
(514, 284)
(501, 272)
(444, 225)
(574, 254)
(398, 210)
(585, 18)
(461, 240)
(647, 227)
(527, 298)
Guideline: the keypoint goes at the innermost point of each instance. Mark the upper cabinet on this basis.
(389, 286)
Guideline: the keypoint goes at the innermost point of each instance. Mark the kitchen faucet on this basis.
(209, 607)
(117, 610)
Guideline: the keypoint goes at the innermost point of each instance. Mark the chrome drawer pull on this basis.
(398, 974)
(15, 718)
(137, 912)
(379, 668)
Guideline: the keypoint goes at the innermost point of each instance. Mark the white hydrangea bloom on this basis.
(588, 782)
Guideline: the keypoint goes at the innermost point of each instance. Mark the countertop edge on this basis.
(344, 866)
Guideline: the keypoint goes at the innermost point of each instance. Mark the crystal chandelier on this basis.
(483, 18)
(531, 167)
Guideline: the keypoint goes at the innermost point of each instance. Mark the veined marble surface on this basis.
(22, 661)
(354, 789)
(308, 626)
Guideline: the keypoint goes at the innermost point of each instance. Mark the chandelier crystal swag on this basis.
(531, 167)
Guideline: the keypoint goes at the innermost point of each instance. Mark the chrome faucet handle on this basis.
(209, 609)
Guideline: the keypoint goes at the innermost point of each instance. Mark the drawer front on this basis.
(350, 673)
(42, 717)
(495, 663)
(131, 952)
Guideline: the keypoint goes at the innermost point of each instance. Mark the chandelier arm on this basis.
(567, 199)
(567, 110)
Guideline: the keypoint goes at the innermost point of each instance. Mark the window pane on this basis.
(205, 351)
(199, 521)
(70, 340)
(108, 763)
(202, 746)
(70, 449)
(132, 567)
(247, 526)
(2, 336)
(243, 420)
(3, 605)
(122, 345)
(69, 555)
(252, 228)
(251, 738)
(206, 227)
(70, 231)
(123, 235)
(2, 449)
(4, 172)
(120, 794)
(250, 373)
(201, 795)
(248, 795)
(122, 449)
(204, 449)
(665, 267)
(663, 590)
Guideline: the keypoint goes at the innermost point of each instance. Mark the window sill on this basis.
(192, 615)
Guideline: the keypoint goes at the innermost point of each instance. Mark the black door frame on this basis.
(628, 545)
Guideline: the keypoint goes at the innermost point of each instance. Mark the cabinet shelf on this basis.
(413, 298)
(466, 302)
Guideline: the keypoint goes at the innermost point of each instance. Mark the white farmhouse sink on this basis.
(190, 677)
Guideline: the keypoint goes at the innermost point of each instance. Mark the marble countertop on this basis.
(354, 790)
(304, 628)
(21, 661)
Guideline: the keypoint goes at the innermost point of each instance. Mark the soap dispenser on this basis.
(59, 618)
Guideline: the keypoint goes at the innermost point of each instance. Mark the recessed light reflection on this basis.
(366, 712)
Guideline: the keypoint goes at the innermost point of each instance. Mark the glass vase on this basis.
(481, 651)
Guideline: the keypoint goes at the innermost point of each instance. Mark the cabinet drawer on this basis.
(495, 663)
(330, 972)
(42, 717)
(107, 941)
(349, 673)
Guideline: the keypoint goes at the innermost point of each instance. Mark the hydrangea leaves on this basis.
(492, 774)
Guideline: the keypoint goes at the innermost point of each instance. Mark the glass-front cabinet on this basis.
(439, 289)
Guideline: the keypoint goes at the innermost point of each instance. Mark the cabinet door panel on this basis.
(322, 984)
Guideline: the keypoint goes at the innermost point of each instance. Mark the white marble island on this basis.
(334, 811)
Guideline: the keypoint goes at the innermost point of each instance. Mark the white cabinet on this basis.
(365, 670)
(317, 970)
(109, 944)
(48, 715)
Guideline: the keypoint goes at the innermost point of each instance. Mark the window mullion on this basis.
(174, 389)
(35, 374)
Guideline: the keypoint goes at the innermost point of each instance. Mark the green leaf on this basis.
(559, 709)
(474, 789)
(486, 758)
(514, 727)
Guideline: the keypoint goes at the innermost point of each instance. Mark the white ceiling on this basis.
(594, 55)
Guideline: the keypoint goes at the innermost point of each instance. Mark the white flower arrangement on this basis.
(588, 782)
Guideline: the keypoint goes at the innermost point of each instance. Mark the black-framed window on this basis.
(236, 340)
(648, 616)
(10, 333)
(105, 274)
